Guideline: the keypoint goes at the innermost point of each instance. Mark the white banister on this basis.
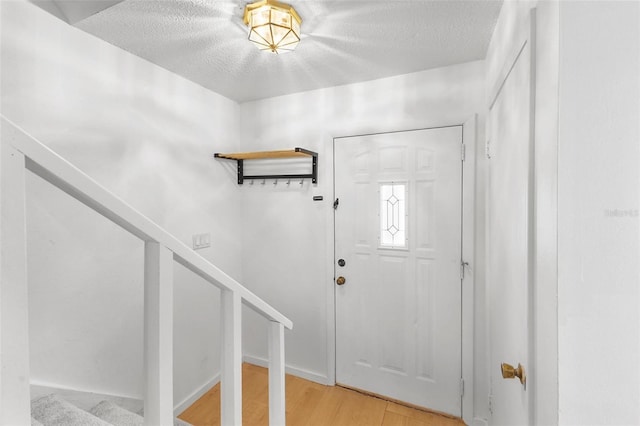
(231, 375)
(158, 334)
(19, 151)
(276, 374)
(15, 408)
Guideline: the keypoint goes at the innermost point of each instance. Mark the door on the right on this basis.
(510, 243)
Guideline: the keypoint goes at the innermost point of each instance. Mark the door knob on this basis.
(340, 280)
(508, 372)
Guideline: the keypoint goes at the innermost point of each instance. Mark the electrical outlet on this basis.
(201, 241)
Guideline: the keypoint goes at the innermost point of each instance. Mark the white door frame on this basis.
(469, 139)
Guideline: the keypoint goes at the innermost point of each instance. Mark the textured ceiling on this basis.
(343, 41)
(74, 11)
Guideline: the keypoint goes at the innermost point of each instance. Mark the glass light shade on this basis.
(273, 26)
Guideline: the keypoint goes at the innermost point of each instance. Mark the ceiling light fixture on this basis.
(273, 26)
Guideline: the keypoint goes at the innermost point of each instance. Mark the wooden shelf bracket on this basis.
(240, 157)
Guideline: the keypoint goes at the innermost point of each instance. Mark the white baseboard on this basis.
(479, 421)
(262, 362)
(195, 395)
(82, 398)
(295, 371)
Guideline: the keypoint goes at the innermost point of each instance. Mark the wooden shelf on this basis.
(289, 153)
(240, 157)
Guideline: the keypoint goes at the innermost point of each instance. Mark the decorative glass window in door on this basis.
(393, 215)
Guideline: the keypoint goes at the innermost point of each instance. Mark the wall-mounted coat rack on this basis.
(264, 155)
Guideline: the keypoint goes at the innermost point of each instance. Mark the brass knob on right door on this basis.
(508, 372)
(341, 280)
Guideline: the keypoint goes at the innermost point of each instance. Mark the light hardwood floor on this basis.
(311, 404)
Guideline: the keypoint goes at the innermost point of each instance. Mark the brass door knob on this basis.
(340, 280)
(508, 372)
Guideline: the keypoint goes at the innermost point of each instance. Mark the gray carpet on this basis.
(51, 410)
(111, 413)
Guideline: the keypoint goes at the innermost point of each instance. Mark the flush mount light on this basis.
(273, 26)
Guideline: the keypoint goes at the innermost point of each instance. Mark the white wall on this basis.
(598, 219)
(287, 237)
(148, 136)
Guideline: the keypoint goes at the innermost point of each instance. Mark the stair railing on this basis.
(20, 152)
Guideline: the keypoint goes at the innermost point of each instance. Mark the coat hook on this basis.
(263, 181)
(275, 182)
(301, 181)
(289, 182)
(251, 182)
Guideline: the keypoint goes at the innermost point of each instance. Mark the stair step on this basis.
(52, 410)
(116, 415)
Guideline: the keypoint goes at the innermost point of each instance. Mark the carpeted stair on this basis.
(52, 410)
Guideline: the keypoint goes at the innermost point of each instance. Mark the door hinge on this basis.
(463, 264)
(463, 152)
(461, 388)
(336, 203)
(487, 149)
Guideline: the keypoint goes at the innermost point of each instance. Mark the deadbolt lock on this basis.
(508, 372)
(340, 280)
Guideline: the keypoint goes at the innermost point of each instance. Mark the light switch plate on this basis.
(201, 241)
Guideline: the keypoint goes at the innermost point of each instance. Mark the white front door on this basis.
(398, 249)
(510, 207)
